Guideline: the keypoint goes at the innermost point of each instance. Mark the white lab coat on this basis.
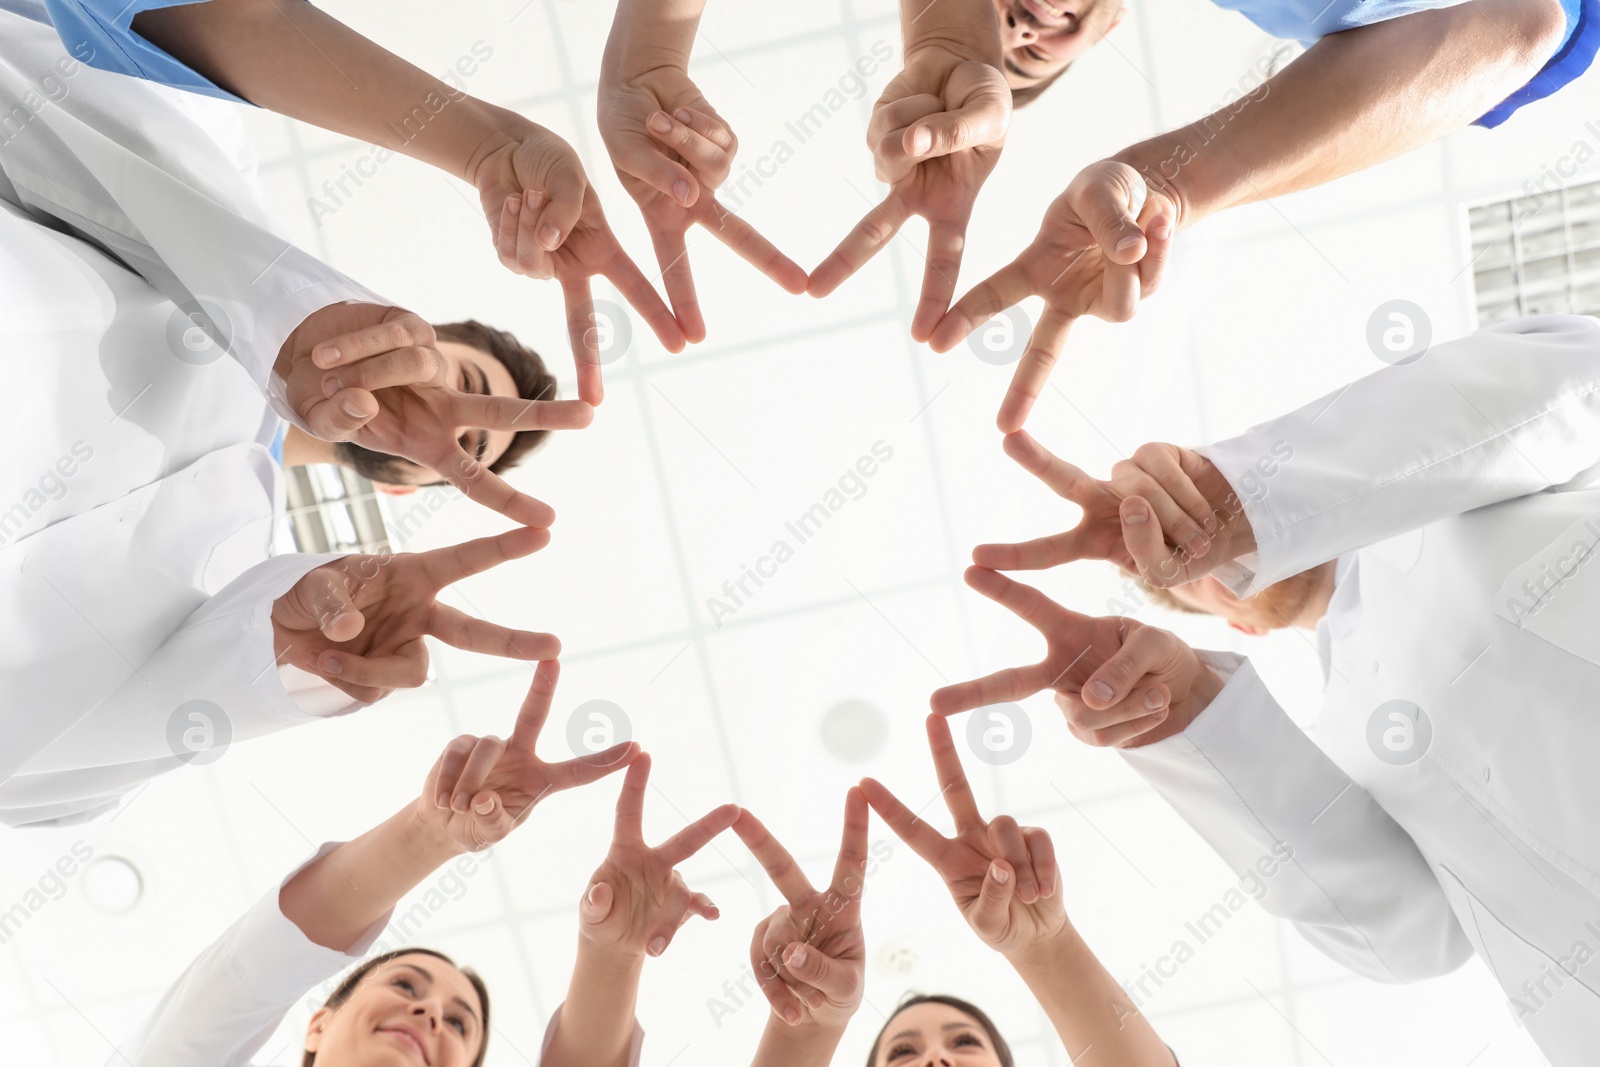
(1437, 486)
(138, 500)
(235, 995)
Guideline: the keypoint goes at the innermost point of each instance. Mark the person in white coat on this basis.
(413, 1005)
(146, 620)
(1436, 524)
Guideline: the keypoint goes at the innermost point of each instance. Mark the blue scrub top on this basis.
(98, 33)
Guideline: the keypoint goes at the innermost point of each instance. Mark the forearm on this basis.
(1355, 99)
(596, 1023)
(650, 33)
(969, 28)
(289, 57)
(783, 1045)
(337, 898)
(1086, 1005)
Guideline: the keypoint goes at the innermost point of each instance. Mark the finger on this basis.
(1124, 734)
(869, 237)
(709, 160)
(754, 249)
(1024, 601)
(406, 668)
(636, 289)
(674, 911)
(1158, 564)
(446, 566)
(629, 825)
(982, 121)
(891, 120)
(1158, 232)
(1162, 464)
(923, 839)
(1144, 700)
(460, 630)
(783, 1000)
(405, 366)
(333, 606)
(1104, 204)
(447, 770)
(672, 252)
(1173, 523)
(341, 416)
(989, 915)
(952, 777)
(485, 754)
(710, 125)
(399, 329)
(1144, 650)
(535, 706)
(1007, 286)
(1045, 345)
(1038, 554)
(507, 234)
(476, 411)
(533, 258)
(1002, 687)
(774, 858)
(596, 904)
(1042, 854)
(945, 243)
(1007, 838)
(486, 488)
(563, 205)
(697, 835)
(586, 769)
(1066, 480)
(643, 159)
(704, 906)
(1119, 293)
(819, 971)
(849, 871)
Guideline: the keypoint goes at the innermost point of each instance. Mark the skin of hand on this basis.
(1199, 525)
(809, 956)
(636, 900)
(358, 621)
(1121, 683)
(1003, 877)
(936, 134)
(1090, 257)
(671, 150)
(482, 788)
(374, 375)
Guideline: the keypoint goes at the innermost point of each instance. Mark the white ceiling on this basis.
(693, 465)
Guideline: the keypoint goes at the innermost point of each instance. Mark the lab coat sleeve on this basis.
(1509, 410)
(232, 998)
(115, 160)
(635, 1048)
(1283, 815)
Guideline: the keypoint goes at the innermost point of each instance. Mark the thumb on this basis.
(337, 615)
(1106, 207)
(989, 915)
(596, 905)
(808, 965)
(563, 204)
(979, 123)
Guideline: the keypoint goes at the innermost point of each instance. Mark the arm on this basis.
(1312, 846)
(1355, 99)
(1507, 411)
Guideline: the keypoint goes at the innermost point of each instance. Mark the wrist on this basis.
(424, 833)
(1168, 164)
(1043, 954)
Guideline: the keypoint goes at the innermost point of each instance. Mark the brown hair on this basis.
(348, 987)
(533, 380)
(1001, 1049)
(1164, 597)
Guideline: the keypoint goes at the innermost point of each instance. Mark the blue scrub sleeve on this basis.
(100, 33)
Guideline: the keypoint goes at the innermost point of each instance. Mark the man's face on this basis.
(1039, 38)
(470, 370)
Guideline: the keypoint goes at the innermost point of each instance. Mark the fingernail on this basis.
(331, 387)
(680, 189)
(658, 946)
(1136, 517)
(514, 206)
(797, 958)
(310, 660)
(549, 236)
(442, 800)
(921, 140)
(1099, 690)
(1001, 875)
(330, 356)
(594, 894)
(684, 115)
(1130, 241)
(1196, 544)
(534, 198)
(485, 808)
(351, 408)
(1152, 699)
(331, 666)
(660, 123)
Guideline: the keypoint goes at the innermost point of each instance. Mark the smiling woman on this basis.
(382, 1001)
(943, 1028)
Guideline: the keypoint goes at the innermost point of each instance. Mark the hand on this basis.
(809, 956)
(1090, 257)
(1199, 522)
(1002, 876)
(671, 150)
(636, 902)
(546, 222)
(1121, 683)
(482, 788)
(373, 375)
(358, 622)
(936, 133)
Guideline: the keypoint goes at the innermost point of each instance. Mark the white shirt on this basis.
(138, 500)
(1438, 486)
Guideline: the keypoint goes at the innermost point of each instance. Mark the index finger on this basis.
(868, 238)
(405, 330)
(483, 486)
(946, 240)
(636, 289)
(697, 835)
(448, 565)
(1007, 286)
(1045, 344)
(1023, 601)
(924, 840)
(1068, 481)
(753, 248)
(952, 776)
(852, 863)
(785, 873)
(1004, 686)
(479, 412)
(536, 705)
(629, 826)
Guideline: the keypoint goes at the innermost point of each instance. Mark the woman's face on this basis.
(415, 1010)
(935, 1034)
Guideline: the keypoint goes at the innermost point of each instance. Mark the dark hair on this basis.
(911, 1000)
(1029, 93)
(533, 380)
(353, 979)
